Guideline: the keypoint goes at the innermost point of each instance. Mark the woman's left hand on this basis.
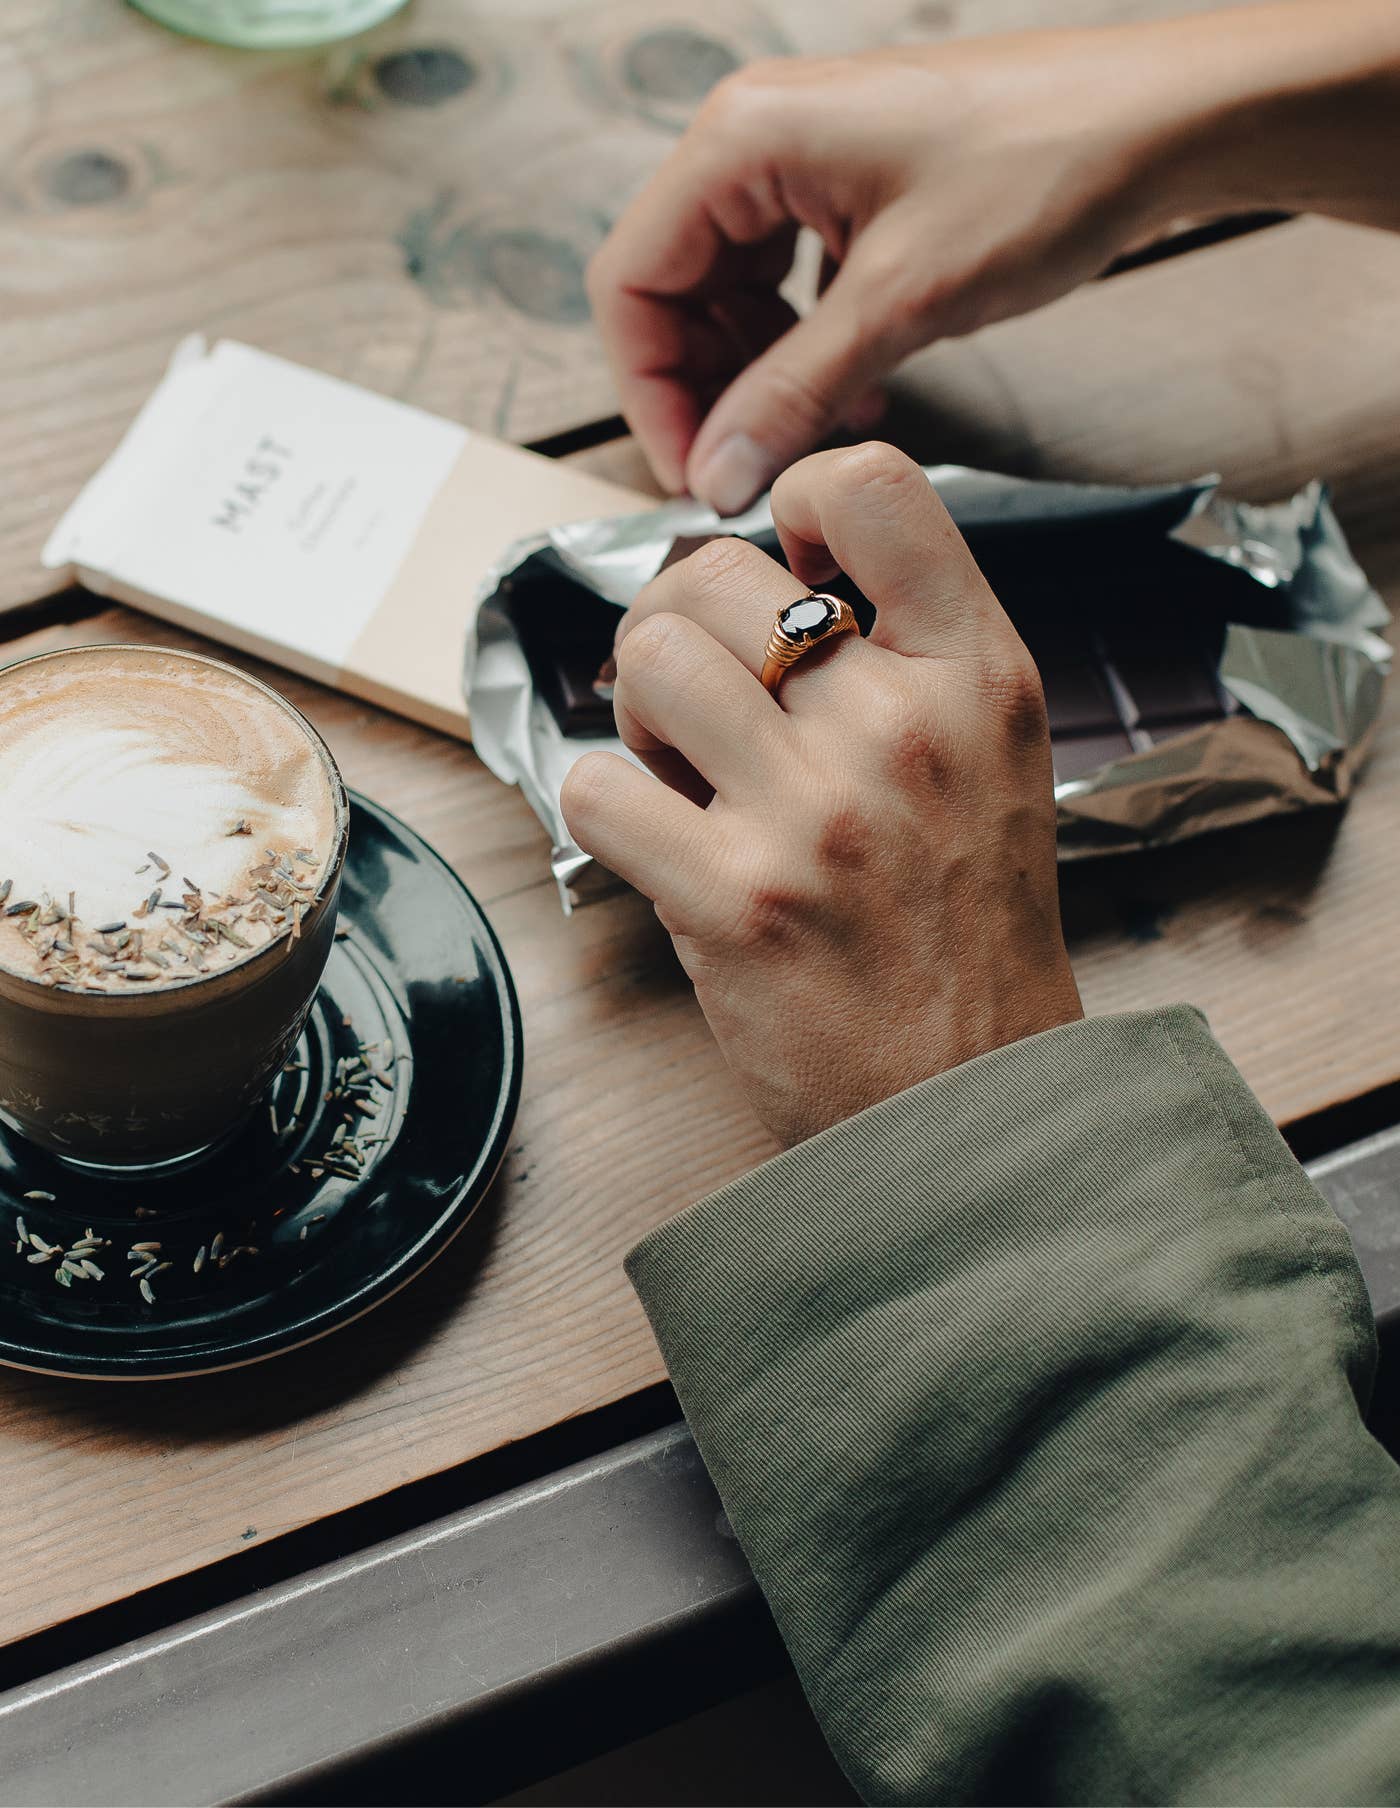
(858, 874)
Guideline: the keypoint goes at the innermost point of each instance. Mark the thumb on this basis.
(805, 384)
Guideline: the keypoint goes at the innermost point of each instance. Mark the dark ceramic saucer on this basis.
(419, 994)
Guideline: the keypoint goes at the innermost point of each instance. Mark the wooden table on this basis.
(163, 187)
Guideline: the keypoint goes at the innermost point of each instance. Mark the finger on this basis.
(718, 335)
(645, 833)
(870, 511)
(673, 769)
(735, 592)
(694, 345)
(651, 346)
(787, 400)
(702, 223)
(729, 587)
(679, 691)
(754, 319)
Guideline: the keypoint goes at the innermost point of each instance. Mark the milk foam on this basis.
(110, 755)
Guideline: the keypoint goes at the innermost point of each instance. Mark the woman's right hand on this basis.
(950, 186)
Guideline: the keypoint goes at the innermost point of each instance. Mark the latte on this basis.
(161, 818)
(172, 835)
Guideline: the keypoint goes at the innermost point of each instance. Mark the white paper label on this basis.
(267, 496)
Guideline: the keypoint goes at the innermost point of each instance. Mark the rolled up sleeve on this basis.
(1034, 1395)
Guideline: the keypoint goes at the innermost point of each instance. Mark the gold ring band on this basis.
(798, 628)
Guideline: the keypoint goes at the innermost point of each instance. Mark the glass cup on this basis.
(269, 24)
(155, 1075)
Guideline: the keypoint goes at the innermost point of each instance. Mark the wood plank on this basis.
(411, 210)
(1260, 358)
(1285, 935)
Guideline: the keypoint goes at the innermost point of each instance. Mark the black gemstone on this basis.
(807, 617)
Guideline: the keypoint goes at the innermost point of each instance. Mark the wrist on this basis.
(1289, 106)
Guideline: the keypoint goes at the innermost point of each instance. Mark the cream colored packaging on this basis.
(314, 523)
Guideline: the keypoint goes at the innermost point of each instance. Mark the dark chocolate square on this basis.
(1077, 696)
(1167, 684)
(1076, 756)
(566, 633)
(1162, 732)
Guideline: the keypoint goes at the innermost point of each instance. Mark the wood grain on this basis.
(1272, 358)
(412, 210)
(1284, 935)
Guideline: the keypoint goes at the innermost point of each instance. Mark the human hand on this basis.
(858, 875)
(951, 186)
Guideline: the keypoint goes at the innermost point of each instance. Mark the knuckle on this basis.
(910, 747)
(770, 916)
(793, 395)
(915, 753)
(721, 566)
(650, 647)
(845, 841)
(584, 790)
(736, 97)
(1011, 691)
(913, 297)
(904, 305)
(896, 292)
(866, 472)
(768, 907)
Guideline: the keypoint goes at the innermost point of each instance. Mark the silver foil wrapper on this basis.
(1309, 686)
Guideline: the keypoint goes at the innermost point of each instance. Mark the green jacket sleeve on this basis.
(1034, 1396)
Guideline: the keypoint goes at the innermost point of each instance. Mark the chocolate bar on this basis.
(1127, 659)
(566, 632)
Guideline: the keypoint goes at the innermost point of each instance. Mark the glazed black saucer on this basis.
(415, 1034)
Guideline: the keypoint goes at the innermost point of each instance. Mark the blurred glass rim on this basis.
(268, 24)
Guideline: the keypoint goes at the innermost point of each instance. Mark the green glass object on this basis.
(269, 24)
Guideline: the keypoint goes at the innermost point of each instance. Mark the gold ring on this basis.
(798, 628)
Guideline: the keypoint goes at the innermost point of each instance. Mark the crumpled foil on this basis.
(1309, 686)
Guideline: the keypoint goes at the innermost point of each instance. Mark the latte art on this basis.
(79, 805)
(185, 813)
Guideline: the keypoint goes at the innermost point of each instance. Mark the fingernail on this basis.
(607, 676)
(735, 473)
